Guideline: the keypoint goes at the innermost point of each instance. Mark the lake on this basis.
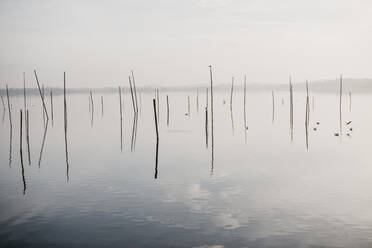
(260, 189)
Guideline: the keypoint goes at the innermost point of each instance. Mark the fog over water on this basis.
(169, 43)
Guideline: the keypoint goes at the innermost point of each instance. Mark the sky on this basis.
(172, 42)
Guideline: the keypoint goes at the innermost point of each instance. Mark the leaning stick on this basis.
(41, 95)
(135, 91)
(65, 125)
(121, 121)
(132, 95)
(11, 128)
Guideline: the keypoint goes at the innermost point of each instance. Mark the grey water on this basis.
(260, 190)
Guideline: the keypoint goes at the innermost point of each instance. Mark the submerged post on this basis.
(210, 73)
(157, 138)
(21, 152)
(65, 124)
(121, 121)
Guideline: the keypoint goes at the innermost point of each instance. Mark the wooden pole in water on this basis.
(206, 127)
(41, 95)
(2, 100)
(9, 109)
(206, 117)
(89, 104)
(135, 92)
(291, 107)
(167, 111)
(133, 98)
(307, 121)
(121, 121)
(157, 138)
(92, 103)
(21, 152)
(28, 137)
(11, 127)
(210, 73)
(65, 125)
(51, 106)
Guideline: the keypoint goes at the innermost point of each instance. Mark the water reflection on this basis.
(65, 125)
(156, 158)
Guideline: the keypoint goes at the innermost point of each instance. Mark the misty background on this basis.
(171, 43)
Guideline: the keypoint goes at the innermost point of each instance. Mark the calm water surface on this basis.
(260, 191)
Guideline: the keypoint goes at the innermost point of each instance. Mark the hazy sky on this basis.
(172, 42)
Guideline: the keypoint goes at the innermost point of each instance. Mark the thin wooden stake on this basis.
(2, 100)
(11, 127)
(41, 95)
(65, 125)
(206, 127)
(133, 97)
(210, 73)
(231, 93)
(121, 121)
(21, 152)
(92, 103)
(157, 138)
(135, 91)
